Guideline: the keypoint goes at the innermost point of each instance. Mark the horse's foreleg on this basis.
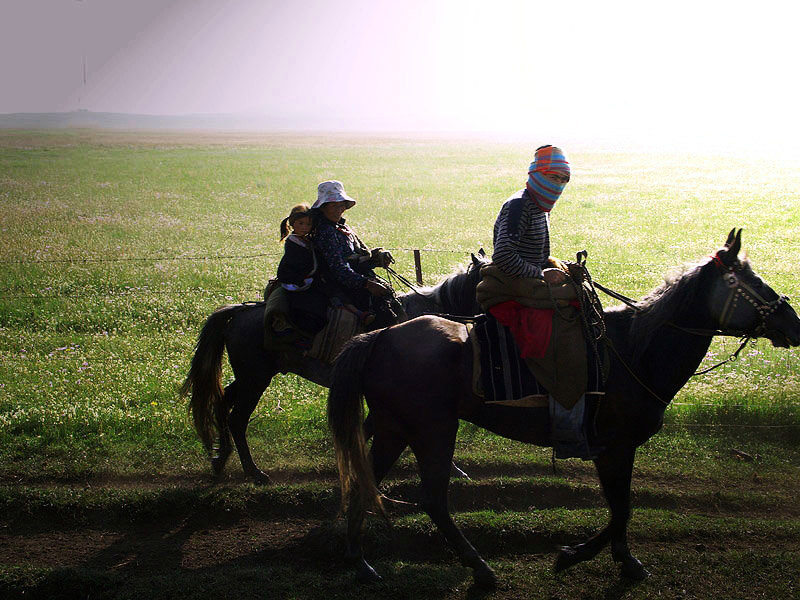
(435, 458)
(615, 472)
(245, 401)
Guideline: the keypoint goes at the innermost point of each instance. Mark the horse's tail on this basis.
(204, 381)
(345, 419)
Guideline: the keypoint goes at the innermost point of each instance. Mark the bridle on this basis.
(738, 289)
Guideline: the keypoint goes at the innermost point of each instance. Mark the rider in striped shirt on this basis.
(522, 229)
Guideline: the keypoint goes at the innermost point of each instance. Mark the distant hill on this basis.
(104, 120)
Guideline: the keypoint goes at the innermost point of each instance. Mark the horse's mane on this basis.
(680, 289)
(455, 292)
(661, 306)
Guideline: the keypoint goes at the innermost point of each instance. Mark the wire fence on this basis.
(10, 293)
(216, 257)
(128, 292)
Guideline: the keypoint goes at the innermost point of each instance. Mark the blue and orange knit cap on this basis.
(548, 160)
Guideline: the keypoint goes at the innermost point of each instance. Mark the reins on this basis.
(738, 289)
(403, 280)
(704, 332)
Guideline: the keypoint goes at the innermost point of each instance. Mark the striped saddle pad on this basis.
(500, 376)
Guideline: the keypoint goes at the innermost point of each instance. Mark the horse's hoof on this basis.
(259, 478)
(567, 557)
(218, 465)
(484, 577)
(366, 574)
(633, 569)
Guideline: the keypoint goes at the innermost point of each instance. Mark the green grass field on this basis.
(115, 247)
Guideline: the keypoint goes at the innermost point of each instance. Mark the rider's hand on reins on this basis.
(554, 276)
(381, 258)
(376, 288)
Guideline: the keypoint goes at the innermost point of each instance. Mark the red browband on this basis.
(718, 261)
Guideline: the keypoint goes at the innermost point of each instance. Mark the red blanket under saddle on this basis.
(531, 327)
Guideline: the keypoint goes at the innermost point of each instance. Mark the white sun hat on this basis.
(332, 191)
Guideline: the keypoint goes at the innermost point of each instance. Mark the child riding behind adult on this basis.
(298, 273)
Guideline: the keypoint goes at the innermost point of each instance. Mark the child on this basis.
(308, 305)
(299, 264)
(297, 273)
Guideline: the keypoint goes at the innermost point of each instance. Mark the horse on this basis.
(416, 378)
(220, 414)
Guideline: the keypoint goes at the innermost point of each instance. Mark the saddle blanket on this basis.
(280, 332)
(500, 376)
(342, 325)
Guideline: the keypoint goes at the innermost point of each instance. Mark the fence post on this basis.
(418, 267)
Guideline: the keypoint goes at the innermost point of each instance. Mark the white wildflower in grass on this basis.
(98, 346)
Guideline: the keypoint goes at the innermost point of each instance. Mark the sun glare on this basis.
(705, 74)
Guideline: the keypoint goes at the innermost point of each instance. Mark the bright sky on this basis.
(615, 71)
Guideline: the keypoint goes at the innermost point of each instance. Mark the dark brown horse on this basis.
(416, 378)
(220, 414)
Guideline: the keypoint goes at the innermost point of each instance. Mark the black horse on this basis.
(220, 414)
(416, 393)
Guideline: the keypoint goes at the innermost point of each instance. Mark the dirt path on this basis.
(292, 524)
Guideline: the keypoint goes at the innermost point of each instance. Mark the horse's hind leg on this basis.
(386, 449)
(220, 458)
(245, 400)
(435, 457)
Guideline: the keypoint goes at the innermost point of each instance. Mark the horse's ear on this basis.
(736, 245)
(728, 255)
(478, 261)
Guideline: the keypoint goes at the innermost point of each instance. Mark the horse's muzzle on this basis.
(783, 339)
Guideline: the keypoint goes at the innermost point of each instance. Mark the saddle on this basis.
(280, 331)
(342, 325)
(567, 375)
(501, 376)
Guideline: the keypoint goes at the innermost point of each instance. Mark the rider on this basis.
(522, 250)
(522, 229)
(348, 262)
(298, 272)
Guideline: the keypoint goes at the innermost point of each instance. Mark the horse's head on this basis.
(743, 304)
(474, 268)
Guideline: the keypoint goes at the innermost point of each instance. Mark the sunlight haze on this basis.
(642, 74)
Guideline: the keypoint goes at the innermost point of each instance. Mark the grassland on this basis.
(115, 247)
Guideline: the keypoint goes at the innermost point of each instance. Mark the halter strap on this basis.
(739, 288)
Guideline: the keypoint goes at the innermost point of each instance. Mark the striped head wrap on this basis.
(548, 160)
